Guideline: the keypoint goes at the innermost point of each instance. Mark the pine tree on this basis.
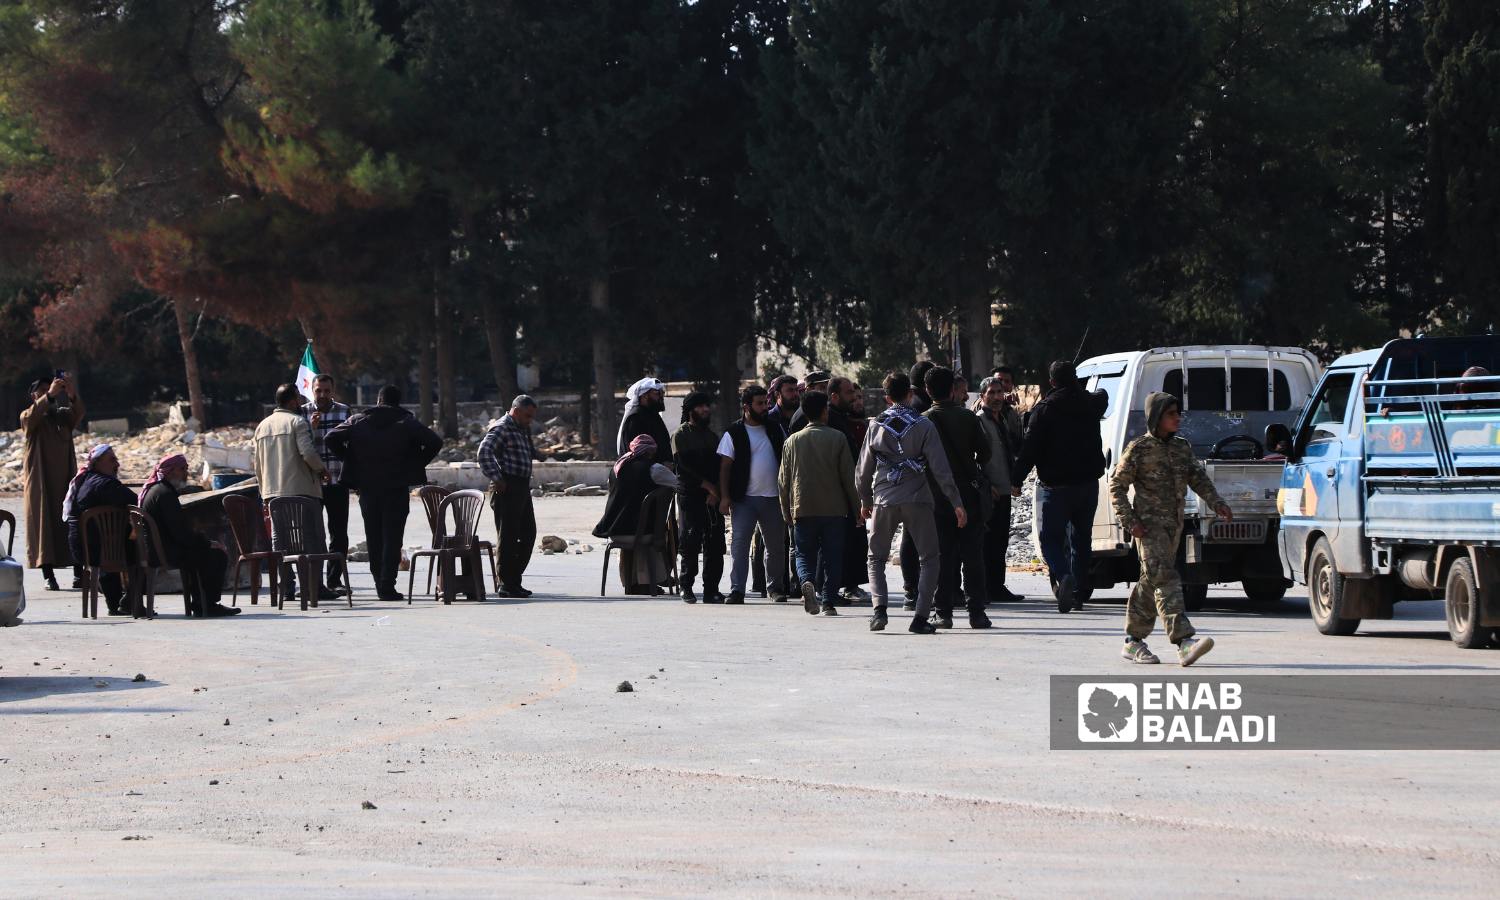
(1463, 160)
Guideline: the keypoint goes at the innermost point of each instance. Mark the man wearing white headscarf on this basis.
(644, 404)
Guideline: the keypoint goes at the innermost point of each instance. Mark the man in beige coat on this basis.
(287, 464)
(47, 426)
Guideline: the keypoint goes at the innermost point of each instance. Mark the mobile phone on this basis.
(60, 373)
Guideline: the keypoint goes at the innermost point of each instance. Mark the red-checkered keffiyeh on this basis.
(159, 474)
(643, 445)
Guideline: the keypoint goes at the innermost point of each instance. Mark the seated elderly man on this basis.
(635, 476)
(201, 561)
(97, 484)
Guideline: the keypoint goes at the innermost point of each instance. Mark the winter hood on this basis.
(1157, 404)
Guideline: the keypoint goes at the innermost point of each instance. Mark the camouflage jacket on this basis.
(1161, 472)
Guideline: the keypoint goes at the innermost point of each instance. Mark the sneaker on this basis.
(809, 598)
(918, 626)
(942, 619)
(980, 620)
(735, 598)
(1063, 591)
(714, 597)
(1137, 652)
(829, 609)
(219, 609)
(854, 595)
(877, 621)
(778, 597)
(1190, 650)
(909, 605)
(688, 596)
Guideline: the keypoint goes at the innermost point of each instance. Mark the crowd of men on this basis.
(809, 489)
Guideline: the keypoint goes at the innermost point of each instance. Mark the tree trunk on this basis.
(606, 416)
(424, 372)
(443, 345)
(585, 418)
(190, 363)
(498, 331)
(727, 405)
(978, 337)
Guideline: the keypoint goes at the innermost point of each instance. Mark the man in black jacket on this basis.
(968, 451)
(644, 404)
(1063, 444)
(700, 525)
(201, 561)
(385, 452)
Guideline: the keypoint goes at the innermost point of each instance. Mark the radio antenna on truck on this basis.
(1079, 352)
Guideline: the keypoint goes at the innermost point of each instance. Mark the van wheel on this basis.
(1264, 590)
(1193, 596)
(1325, 592)
(1461, 597)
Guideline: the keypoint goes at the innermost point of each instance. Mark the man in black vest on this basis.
(749, 462)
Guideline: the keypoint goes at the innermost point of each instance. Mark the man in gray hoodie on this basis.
(900, 448)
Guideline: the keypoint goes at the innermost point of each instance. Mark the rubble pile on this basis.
(556, 439)
(138, 453)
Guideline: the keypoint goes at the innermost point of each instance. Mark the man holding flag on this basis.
(323, 414)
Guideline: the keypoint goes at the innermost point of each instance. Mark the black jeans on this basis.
(911, 565)
(336, 507)
(515, 522)
(204, 571)
(384, 510)
(960, 547)
(856, 554)
(701, 532)
(996, 543)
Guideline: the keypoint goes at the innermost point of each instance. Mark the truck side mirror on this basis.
(1279, 439)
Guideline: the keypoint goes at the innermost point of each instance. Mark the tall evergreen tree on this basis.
(1463, 161)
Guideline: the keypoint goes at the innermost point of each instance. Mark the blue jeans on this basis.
(820, 552)
(744, 516)
(1065, 527)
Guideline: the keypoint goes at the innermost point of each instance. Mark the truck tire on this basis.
(1461, 599)
(1193, 596)
(1264, 590)
(1325, 592)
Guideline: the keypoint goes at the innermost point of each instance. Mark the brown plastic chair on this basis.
(431, 496)
(245, 522)
(148, 550)
(299, 520)
(113, 524)
(9, 518)
(461, 543)
(651, 533)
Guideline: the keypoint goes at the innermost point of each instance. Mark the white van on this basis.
(1230, 395)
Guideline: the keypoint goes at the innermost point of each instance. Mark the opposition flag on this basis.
(307, 370)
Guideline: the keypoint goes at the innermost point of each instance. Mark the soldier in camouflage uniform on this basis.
(1161, 466)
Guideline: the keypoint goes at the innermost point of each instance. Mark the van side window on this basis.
(1330, 409)
(1247, 388)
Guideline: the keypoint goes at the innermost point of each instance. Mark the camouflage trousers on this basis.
(1159, 589)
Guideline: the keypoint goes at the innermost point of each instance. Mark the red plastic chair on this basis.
(245, 524)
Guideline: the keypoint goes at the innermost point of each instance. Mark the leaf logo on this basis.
(1107, 712)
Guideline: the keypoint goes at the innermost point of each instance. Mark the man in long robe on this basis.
(50, 464)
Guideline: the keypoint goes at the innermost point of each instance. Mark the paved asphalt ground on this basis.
(763, 752)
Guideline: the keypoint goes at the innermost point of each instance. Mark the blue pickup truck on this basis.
(1391, 489)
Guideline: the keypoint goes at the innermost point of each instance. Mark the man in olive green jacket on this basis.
(818, 497)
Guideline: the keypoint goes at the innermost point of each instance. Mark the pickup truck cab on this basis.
(1230, 395)
(1391, 490)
